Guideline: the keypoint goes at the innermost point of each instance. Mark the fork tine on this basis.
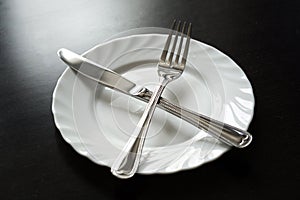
(187, 44)
(174, 43)
(167, 44)
(180, 44)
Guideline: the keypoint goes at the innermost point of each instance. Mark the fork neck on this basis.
(164, 80)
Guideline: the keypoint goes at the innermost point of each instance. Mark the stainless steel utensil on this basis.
(226, 133)
(169, 70)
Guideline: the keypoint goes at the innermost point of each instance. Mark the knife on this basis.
(226, 133)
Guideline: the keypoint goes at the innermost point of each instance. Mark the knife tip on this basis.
(69, 57)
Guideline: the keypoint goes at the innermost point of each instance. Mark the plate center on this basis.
(124, 111)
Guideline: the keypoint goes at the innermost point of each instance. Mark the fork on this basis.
(168, 70)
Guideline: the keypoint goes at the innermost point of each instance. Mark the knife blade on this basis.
(226, 133)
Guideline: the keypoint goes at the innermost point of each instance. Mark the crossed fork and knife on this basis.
(171, 65)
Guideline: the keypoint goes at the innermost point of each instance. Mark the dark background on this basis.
(36, 163)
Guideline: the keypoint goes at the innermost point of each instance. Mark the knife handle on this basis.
(226, 133)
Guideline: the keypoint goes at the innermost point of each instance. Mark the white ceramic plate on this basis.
(98, 121)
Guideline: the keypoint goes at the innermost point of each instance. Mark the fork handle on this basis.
(128, 160)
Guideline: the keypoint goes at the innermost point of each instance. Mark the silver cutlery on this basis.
(226, 133)
(168, 70)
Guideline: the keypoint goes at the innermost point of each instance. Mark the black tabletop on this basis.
(262, 37)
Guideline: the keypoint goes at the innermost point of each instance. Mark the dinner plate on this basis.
(97, 121)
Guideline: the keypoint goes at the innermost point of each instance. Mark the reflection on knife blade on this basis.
(224, 132)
